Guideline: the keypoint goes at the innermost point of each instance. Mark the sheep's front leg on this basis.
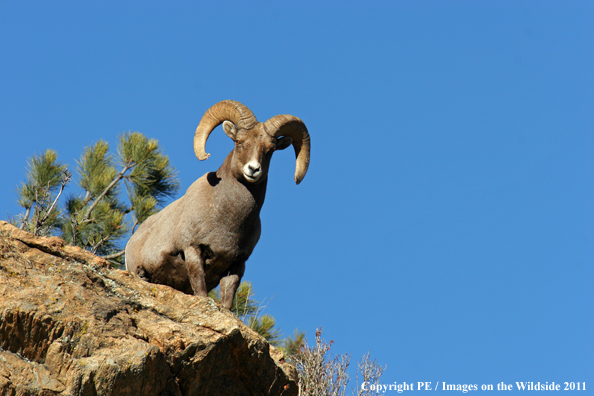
(230, 283)
(195, 266)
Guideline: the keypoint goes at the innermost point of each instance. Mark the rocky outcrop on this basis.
(70, 325)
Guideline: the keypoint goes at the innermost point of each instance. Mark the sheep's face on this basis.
(253, 151)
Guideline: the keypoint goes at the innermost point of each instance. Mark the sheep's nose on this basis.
(254, 168)
(252, 171)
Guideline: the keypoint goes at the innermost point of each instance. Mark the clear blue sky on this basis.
(446, 223)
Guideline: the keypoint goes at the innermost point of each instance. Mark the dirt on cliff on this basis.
(71, 325)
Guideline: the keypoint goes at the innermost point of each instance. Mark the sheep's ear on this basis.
(283, 142)
(230, 129)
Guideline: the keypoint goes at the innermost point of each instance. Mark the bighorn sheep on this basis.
(206, 236)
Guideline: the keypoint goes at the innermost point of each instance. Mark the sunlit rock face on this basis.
(71, 325)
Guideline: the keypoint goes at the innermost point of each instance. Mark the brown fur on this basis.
(205, 237)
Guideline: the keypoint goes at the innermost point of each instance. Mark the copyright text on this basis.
(401, 387)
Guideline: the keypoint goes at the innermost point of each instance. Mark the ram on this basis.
(205, 237)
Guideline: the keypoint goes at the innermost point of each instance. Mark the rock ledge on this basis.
(71, 325)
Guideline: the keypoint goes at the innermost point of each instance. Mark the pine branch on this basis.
(101, 242)
(36, 213)
(134, 226)
(65, 180)
(87, 197)
(119, 177)
(114, 255)
(25, 218)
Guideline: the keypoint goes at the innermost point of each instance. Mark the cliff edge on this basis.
(71, 325)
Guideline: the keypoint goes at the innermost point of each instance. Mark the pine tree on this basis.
(264, 325)
(38, 193)
(294, 344)
(98, 218)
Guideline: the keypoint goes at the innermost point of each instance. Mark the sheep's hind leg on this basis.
(195, 266)
(230, 283)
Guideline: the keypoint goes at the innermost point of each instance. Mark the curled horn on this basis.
(288, 125)
(229, 110)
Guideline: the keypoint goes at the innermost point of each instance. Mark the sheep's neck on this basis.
(257, 191)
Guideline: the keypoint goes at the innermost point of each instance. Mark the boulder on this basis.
(71, 325)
